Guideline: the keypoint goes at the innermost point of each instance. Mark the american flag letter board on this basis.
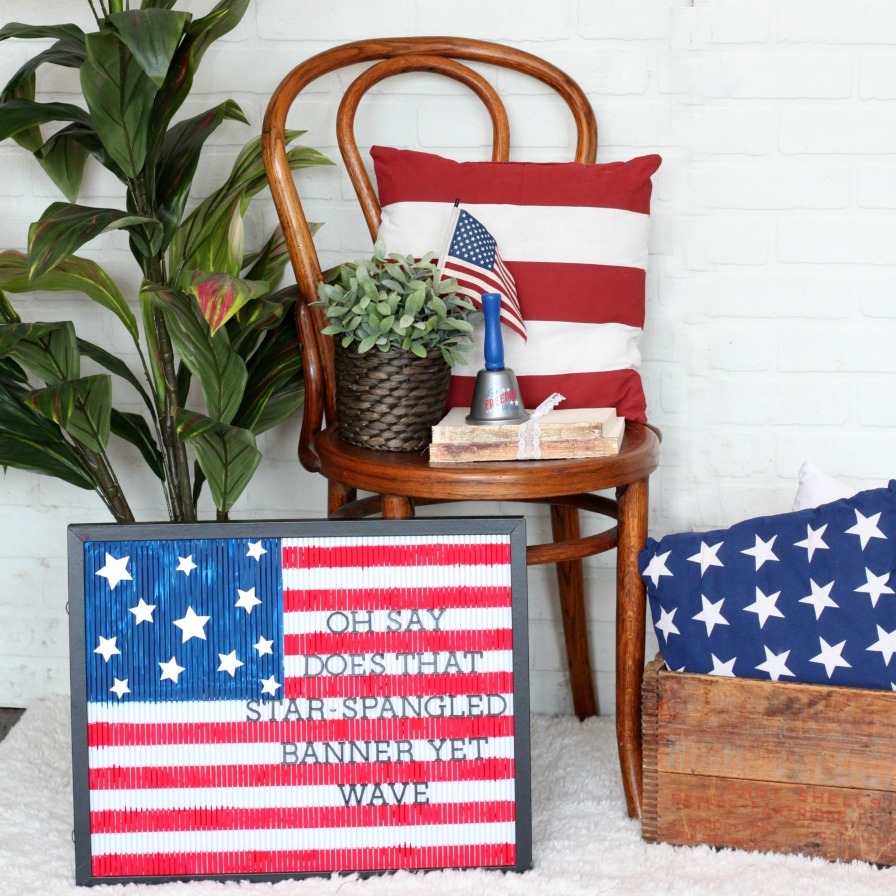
(271, 700)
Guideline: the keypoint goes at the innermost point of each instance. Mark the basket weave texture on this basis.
(390, 400)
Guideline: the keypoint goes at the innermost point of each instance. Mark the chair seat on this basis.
(409, 474)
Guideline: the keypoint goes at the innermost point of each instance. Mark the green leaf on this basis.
(68, 33)
(154, 352)
(222, 18)
(270, 261)
(115, 365)
(220, 296)
(218, 368)
(152, 36)
(48, 350)
(134, 429)
(120, 98)
(30, 442)
(226, 454)
(179, 159)
(81, 407)
(247, 178)
(7, 312)
(84, 134)
(73, 273)
(275, 388)
(63, 228)
(23, 114)
(64, 158)
(259, 316)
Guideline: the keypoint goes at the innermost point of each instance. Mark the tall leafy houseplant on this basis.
(206, 313)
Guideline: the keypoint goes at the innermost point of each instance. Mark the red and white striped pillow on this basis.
(574, 237)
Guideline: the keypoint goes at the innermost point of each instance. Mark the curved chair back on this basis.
(392, 56)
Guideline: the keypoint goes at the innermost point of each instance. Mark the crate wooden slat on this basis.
(771, 766)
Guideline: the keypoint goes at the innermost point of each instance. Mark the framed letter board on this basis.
(283, 699)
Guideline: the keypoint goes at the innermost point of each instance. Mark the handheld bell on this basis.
(496, 395)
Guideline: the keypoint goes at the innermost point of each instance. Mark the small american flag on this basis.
(299, 705)
(471, 257)
(806, 596)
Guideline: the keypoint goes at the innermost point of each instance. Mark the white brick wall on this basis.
(771, 294)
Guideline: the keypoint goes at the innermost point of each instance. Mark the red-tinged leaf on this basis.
(220, 296)
(220, 371)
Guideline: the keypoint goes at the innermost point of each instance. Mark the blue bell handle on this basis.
(494, 344)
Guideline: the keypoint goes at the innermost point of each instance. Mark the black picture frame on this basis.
(84, 538)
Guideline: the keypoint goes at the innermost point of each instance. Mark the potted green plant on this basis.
(207, 311)
(398, 329)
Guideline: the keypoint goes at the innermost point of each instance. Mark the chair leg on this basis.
(397, 508)
(338, 495)
(571, 581)
(630, 624)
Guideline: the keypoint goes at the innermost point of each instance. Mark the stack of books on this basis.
(566, 433)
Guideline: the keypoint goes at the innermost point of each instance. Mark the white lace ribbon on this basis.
(529, 444)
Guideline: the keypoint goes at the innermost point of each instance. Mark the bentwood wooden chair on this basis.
(399, 481)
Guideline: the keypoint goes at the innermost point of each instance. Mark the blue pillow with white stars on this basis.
(804, 596)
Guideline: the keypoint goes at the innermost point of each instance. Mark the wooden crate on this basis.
(769, 766)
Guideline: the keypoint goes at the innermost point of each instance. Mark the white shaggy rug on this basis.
(583, 841)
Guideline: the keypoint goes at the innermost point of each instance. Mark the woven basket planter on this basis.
(389, 400)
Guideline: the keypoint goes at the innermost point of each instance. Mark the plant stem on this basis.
(177, 480)
(107, 485)
(176, 451)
